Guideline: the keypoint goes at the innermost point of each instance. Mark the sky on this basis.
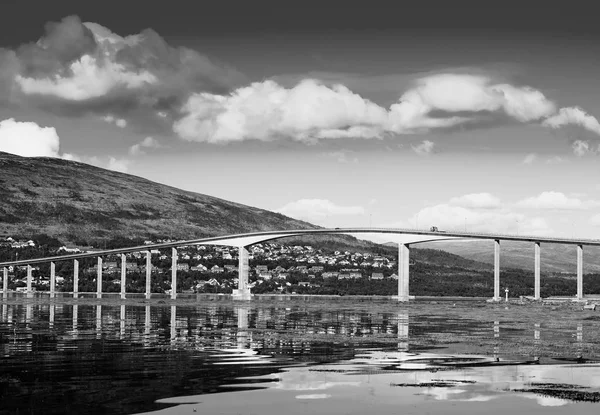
(463, 115)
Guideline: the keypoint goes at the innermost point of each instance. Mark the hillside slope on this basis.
(80, 203)
(554, 258)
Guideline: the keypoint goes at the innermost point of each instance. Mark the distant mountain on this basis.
(554, 258)
(435, 256)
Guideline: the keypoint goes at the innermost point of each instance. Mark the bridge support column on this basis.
(123, 274)
(497, 270)
(99, 278)
(29, 279)
(5, 282)
(403, 272)
(173, 273)
(148, 272)
(52, 279)
(580, 272)
(536, 272)
(75, 278)
(242, 292)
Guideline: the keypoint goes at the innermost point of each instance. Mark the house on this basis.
(327, 275)
(231, 268)
(355, 275)
(265, 276)
(316, 269)
(199, 267)
(261, 268)
(183, 266)
(304, 284)
(394, 277)
(216, 269)
(344, 276)
(377, 276)
(283, 275)
(302, 268)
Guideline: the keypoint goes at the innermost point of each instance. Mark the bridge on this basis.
(404, 237)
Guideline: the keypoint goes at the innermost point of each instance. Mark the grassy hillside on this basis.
(79, 203)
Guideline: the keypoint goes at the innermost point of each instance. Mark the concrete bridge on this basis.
(404, 237)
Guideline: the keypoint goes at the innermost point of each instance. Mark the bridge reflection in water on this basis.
(239, 327)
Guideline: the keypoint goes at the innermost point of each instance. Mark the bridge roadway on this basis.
(404, 237)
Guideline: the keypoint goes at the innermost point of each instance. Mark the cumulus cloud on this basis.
(556, 200)
(146, 143)
(595, 220)
(119, 122)
(448, 216)
(573, 116)
(318, 209)
(28, 139)
(580, 147)
(87, 78)
(311, 110)
(85, 67)
(266, 111)
(476, 201)
(78, 66)
(529, 158)
(110, 162)
(424, 148)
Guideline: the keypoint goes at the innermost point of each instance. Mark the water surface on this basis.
(323, 357)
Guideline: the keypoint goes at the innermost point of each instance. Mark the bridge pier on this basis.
(29, 279)
(242, 292)
(5, 282)
(173, 273)
(580, 272)
(99, 278)
(536, 272)
(123, 274)
(496, 270)
(148, 273)
(75, 278)
(52, 279)
(403, 272)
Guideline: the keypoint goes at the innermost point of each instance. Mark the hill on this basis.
(83, 204)
(555, 258)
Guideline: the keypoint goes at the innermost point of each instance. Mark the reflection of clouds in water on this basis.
(307, 381)
(315, 396)
(549, 401)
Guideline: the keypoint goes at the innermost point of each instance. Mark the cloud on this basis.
(148, 142)
(312, 110)
(573, 116)
(448, 217)
(89, 77)
(266, 111)
(318, 209)
(84, 67)
(580, 148)
(121, 165)
(110, 162)
(425, 148)
(555, 160)
(28, 139)
(556, 200)
(529, 158)
(119, 122)
(476, 201)
(341, 156)
(595, 220)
